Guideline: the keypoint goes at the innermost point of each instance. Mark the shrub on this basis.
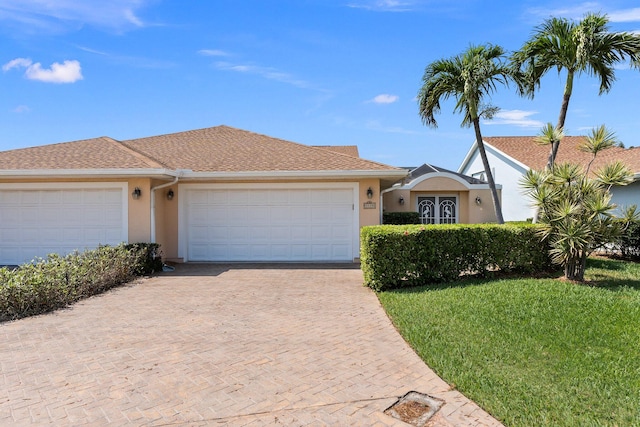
(400, 218)
(55, 282)
(394, 256)
(148, 257)
(628, 243)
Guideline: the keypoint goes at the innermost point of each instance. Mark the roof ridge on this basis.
(130, 142)
(144, 157)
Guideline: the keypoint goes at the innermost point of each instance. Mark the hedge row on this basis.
(394, 256)
(400, 218)
(57, 281)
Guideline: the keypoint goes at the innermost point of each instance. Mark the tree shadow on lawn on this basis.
(597, 279)
(476, 280)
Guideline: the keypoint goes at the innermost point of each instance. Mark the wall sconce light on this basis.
(401, 200)
(170, 195)
(136, 193)
(478, 200)
(369, 193)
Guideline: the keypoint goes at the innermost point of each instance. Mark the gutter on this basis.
(153, 203)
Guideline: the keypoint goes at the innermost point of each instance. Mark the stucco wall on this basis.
(626, 195)
(140, 211)
(515, 206)
(369, 216)
(469, 212)
(166, 212)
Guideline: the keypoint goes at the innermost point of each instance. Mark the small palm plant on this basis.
(576, 212)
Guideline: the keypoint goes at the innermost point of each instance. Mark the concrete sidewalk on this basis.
(241, 345)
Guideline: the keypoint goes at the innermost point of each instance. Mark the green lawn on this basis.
(534, 352)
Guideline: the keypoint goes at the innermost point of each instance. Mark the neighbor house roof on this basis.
(426, 169)
(533, 155)
(219, 151)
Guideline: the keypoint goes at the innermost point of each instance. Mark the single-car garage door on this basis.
(36, 220)
(270, 223)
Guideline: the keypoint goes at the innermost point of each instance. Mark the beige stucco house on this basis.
(441, 196)
(214, 194)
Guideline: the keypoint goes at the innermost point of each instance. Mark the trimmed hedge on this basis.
(394, 256)
(57, 281)
(400, 218)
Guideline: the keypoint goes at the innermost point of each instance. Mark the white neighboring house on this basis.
(511, 157)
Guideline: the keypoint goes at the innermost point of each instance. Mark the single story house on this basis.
(214, 194)
(441, 196)
(511, 157)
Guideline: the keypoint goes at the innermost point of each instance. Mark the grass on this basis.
(543, 352)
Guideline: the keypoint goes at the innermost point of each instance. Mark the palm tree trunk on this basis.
(487, 171)
(568, 90)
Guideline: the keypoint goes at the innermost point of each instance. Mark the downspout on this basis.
(153, 204)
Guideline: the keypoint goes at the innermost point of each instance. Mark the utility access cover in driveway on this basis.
(219, 345)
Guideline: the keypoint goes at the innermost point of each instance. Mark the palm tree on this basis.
(576, 211)
(583, 47)
(468, 77)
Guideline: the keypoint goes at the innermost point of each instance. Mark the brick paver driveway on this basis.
(219, 345)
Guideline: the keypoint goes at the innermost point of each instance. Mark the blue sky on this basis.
(318, 72)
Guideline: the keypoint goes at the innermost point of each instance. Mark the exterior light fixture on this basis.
(136, 193)
(170, 195)
(478, 200)
(401, 200)
(369, 193)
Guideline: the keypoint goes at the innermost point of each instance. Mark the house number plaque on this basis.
(369, 205)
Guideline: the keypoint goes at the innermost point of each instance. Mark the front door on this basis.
(438, 209)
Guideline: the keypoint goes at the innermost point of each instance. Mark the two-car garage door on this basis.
(269, 222)
(39, 219)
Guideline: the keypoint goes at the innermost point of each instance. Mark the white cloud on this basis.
(60, 15)
(67, 72)
(21, 109)
(15, 63)
(385, 98)
(578, 11)
(212, 52)
(384, 5)
(517, 118)
(572, 12)
(266, 72)
(625, 15)
(378, 127)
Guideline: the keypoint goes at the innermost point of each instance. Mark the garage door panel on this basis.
(51, 197)
(270, 224)
(51, 235)
(238, 198)
(300, 214)
(36, 222)
(238, 214)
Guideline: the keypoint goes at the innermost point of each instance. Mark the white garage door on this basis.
(270, 224)
(35, 222)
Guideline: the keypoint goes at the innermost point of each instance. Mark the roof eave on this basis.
(86, 173)
(311, 174)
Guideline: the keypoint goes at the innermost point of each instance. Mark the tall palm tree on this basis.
(467, 77)
(580, 47)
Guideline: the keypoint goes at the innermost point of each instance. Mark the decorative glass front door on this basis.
(438, 210)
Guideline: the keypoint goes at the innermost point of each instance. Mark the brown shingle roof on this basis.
(525, 150)
(215, 149)
(349, 150)
(227, 149)
(96, 153)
